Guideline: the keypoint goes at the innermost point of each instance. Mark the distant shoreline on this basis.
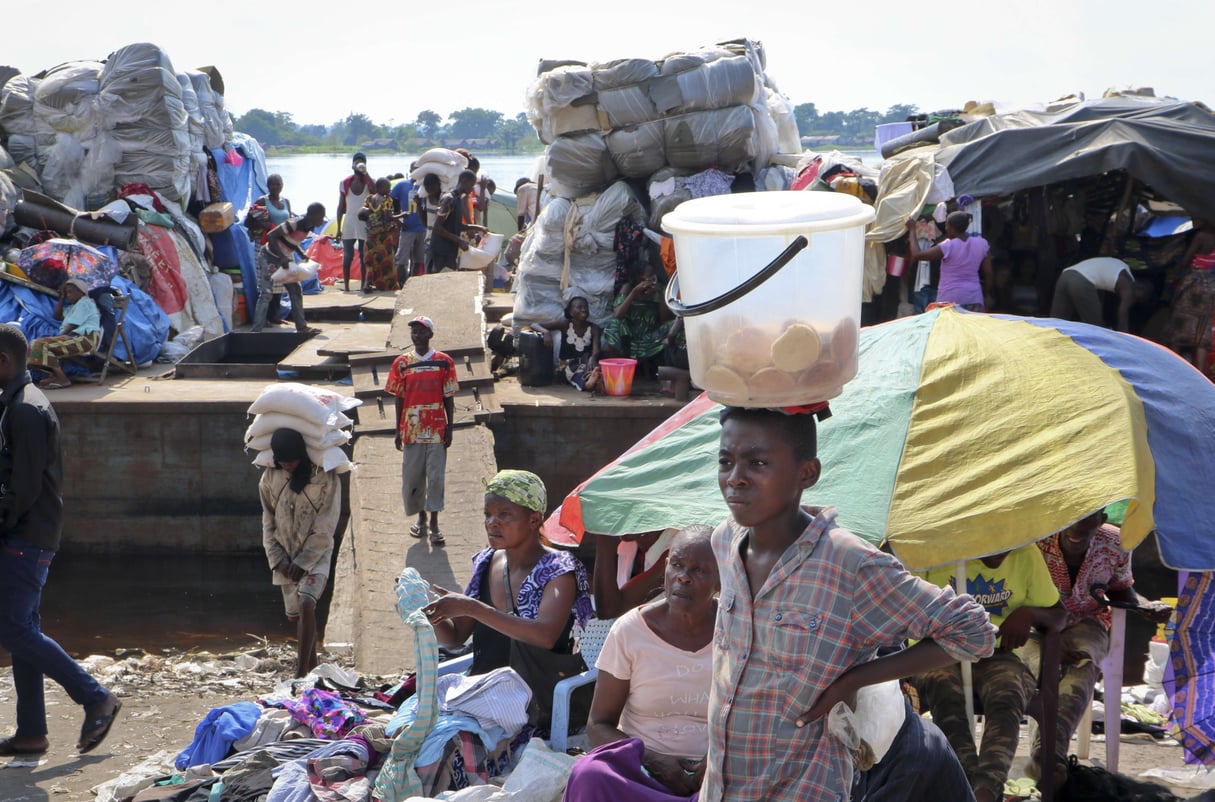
(328, 150)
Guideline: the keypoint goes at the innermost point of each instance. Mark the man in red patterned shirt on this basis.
(1087, 554)
(424, 383)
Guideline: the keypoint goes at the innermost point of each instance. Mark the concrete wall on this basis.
(158, 477)
(564, 445)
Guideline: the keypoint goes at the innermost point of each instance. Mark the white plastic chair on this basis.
(1111, 680)
(589, 645)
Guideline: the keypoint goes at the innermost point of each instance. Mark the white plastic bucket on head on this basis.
(792, 338)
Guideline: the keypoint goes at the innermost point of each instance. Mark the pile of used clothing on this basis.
(127, 153)
(630, 140)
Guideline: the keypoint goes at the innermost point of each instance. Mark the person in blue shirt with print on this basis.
(411, 247)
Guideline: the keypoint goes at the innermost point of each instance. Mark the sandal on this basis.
(53, 385)
(418, 530)
(437, 539)
(97, 727)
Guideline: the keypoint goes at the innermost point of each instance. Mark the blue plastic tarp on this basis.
(37, 318)
(146, 325)
(240, 185)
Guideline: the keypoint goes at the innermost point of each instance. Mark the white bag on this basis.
(295, 273)
(541, 775)
(478, 257)
(267, 423)
(331, 438)
(304, 401)
(331, 459)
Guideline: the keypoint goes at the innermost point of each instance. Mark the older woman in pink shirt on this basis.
(649, 718)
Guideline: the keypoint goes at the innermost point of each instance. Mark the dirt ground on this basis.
(164, 698)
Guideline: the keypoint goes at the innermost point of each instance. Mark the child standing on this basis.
(301, 503)
(804, 607)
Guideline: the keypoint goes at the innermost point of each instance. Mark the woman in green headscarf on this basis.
(524, 596)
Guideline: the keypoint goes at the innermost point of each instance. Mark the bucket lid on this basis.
(761, 214)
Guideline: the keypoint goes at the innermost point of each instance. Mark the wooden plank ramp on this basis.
(453, 302)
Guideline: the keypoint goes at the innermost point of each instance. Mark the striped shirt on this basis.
(829, 603)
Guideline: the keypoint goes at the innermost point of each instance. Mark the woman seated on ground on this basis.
(640, 321)
(649, 717)
(523, 599)
(78, 334)
(579, 350)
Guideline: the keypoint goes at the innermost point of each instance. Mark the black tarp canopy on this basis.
(1167, 145)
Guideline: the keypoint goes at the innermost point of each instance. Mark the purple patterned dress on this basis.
(491, 649)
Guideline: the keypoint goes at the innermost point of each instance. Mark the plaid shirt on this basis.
(828, 604)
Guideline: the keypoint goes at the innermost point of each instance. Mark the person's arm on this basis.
(400, 403)
(1155, 611)
(341, 208)
(988, 282)
(1125, 288)
(542, 631)
(611, 600)
(603, 723)
(1014, 632)
(59, 302)
(622, 309)
(449, 409)
(276, 555)
(446, 208)
(923, 656)
(29, 430)
(317, 549)
(913, 246)
(594, 360)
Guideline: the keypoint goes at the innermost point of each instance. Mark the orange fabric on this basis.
(667, 251)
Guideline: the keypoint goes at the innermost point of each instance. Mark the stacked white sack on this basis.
(446, 164)
(317, 414)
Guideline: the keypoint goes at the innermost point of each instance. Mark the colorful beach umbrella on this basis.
(963, 435)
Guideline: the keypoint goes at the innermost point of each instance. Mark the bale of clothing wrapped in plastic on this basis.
(713, 107)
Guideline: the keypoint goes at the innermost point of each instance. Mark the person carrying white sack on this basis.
(301, 503)
(282, 242)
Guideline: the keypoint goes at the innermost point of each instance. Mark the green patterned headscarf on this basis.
(521, 487)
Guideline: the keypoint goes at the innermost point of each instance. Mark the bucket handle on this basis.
(730, 296)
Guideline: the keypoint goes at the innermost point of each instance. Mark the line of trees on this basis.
(489, 129)
(852, 127)
(492, 130)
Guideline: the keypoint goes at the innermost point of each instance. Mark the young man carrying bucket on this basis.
(804, 607)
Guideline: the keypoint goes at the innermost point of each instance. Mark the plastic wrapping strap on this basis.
(572, 218)
(72, 226)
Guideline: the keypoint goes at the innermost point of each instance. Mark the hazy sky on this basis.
(390, 60)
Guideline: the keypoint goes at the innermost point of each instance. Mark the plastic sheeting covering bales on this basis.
(569, 252)
(147, 120)
(712, 107)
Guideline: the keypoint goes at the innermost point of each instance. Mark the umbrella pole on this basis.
(968, 681)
